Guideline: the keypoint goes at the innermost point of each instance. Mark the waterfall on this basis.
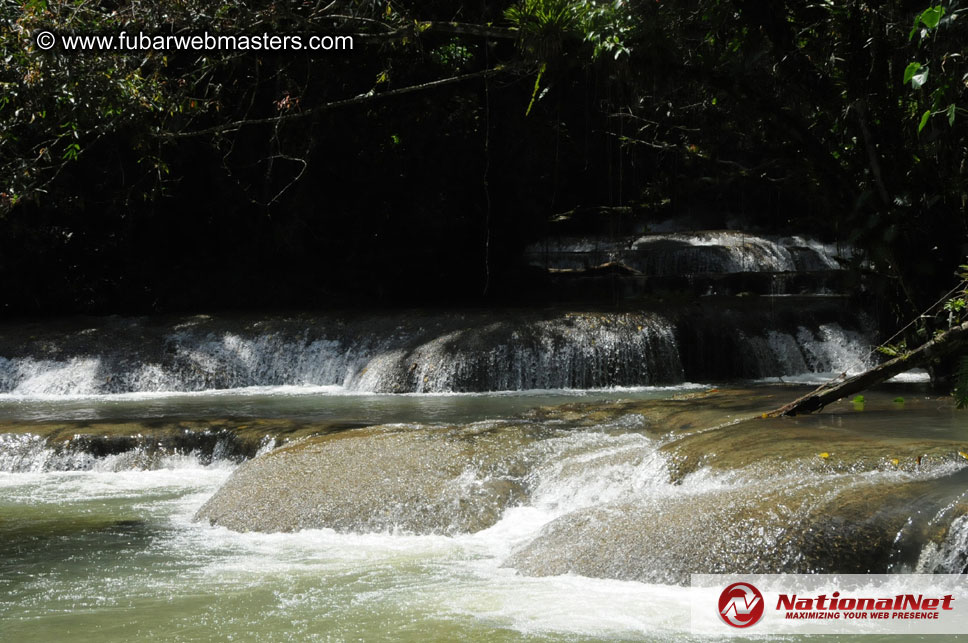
(950, 556)
(827, 349)
(428, 353)
(703, 306)
(681, 253)
(416, 354)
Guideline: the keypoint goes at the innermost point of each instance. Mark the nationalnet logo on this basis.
(741, 605)
(830, 604)
(900, 606)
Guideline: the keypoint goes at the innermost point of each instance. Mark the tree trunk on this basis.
(944, 344)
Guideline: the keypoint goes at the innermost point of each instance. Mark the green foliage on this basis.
(453, 55)
(549, 31)
(941, 99)
(961, 383)
(537, 86)
(931, 16)
(609, 27)
(916, 75)
(956, 306)
(54, 106)
(892, 350)
(545, 26)
(827, 118)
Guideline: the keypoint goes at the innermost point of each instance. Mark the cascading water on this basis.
(688, 253)
(464, 515)
(950, 556)
(424, 353)
(417, 354)
(474, 528)
(759, 334)
(31, 453)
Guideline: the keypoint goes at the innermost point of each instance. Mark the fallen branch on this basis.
(947, 342)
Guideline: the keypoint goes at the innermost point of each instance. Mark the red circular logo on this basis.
(741, 605)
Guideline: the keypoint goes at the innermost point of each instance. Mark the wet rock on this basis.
(816, 526)
(416, 480)
(77, 445)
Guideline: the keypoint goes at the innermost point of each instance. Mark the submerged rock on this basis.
(815, 527)
(839, 492)
(418, 480)
(80, 445)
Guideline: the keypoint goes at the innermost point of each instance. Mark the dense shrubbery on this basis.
(148, 181)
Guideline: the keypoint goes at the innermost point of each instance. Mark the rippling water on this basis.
(107, 554)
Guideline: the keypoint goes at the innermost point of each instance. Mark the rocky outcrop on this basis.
(817, 527)
(416, 480)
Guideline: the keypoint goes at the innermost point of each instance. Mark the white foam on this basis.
(389, 578)
(914, 376)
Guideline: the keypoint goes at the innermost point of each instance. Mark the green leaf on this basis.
(951, 114)
(910, 70)
(890, 351)
(918, 80)
(931, 16)
(537, 86)
(924, 120)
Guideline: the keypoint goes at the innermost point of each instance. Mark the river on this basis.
(110, 550)
(547, 513)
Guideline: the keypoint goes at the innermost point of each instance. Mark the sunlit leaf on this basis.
(910, 70)
(931, 16)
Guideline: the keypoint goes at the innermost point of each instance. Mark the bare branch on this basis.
(357, 100)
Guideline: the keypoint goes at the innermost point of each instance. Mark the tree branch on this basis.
(357, 100)
(944, 344)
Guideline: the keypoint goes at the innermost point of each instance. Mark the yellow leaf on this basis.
(895, 462)
(824, 455)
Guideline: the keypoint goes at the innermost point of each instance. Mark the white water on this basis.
(349, 585)
(160, 575)
(812, 356)
(565, 351)
(568, 351)
(173, 576)
(29, 453)
(679, 253)
(318, 581)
